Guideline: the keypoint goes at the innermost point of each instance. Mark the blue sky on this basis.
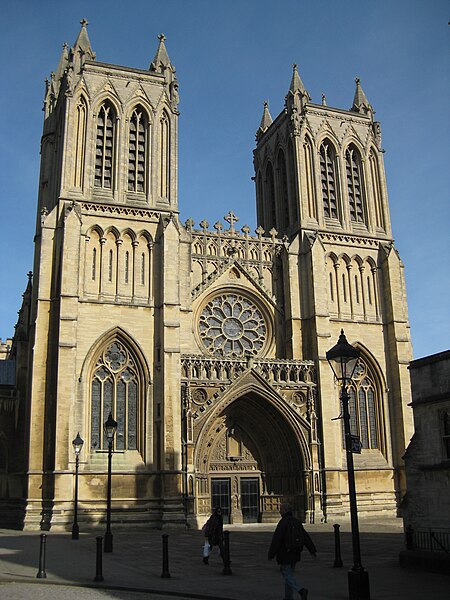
(230, 57)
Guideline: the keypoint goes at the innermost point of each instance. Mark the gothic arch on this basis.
(355, 187)
(330, 177)
(254, 414)
(109, 336)
(129, 232)
(106, 97)
(135, 103)
(367, 405)
(116, 377)
(80, 134)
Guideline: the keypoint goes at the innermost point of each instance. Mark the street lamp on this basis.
(77, 446)
(110, 428)
(343, 359)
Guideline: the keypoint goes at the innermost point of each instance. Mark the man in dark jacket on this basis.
(213, 530)
(287, 558)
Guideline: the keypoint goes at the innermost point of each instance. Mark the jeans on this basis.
(290, 583)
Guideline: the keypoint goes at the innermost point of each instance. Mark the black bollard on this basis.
(226, 554)
(41, 574)
(337, 547)
(165, 557)
(99, 561)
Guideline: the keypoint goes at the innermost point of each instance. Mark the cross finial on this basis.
(161, 37)
(357, 80)
(232, 219)
(84, 22)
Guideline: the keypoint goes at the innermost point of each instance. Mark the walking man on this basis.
(287, 543)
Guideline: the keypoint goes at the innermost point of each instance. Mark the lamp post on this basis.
(77, 446)
(343, 358)
(110, 428)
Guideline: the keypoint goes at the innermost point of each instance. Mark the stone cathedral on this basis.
(205, 343)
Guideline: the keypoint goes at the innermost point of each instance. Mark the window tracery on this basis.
(115, 388)
(329, 179)
(365, 417)
(232, 325)
(355, 185)
(104, 148)
(137, 151)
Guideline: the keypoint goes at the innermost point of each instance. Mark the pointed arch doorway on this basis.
(251, 454)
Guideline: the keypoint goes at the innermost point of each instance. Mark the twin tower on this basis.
(207, 345)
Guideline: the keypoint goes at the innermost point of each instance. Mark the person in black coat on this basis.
(287, 558)
(213, 530)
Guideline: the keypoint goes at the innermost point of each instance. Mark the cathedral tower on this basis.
(103, 298)
(320, 182)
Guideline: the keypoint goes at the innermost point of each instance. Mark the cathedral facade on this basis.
(206, 344)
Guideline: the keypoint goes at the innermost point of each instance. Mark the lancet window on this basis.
(329, 180)
(270, 215)
(81, 120)
(355, 185)
(164, 156)
(137, 151)
(104, 148)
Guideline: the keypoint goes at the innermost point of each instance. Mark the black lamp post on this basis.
(110, 428)
(77, 446)
(343, 359)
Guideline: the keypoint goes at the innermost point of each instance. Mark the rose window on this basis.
(231, 324)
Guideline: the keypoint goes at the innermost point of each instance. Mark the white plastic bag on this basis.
(206, 549)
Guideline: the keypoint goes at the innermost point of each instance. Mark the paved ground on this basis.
(133, 570)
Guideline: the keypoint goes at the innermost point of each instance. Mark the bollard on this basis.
(165, 557)
(337, 547)
(41, 574)
(99, 563)
(226, 554)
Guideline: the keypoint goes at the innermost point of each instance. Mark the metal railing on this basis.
(431, 539)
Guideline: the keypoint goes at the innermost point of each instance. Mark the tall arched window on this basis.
(137, 151)
(282, 192)
(309, 179)
(80, 136)
(365, 408)
(355, 185)
(164, 156)
(116, 387)
(376, 190)
(269, 199)
(329, 178)
(104, 148)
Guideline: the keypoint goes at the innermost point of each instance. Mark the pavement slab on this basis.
(133, 570)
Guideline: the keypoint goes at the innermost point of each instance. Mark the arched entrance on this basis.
(252, 453)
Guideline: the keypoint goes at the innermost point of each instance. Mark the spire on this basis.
(62, 66)
(81, 50)
(266, 120)
(82, 43)
(297, 84)
(360, 102)
(161, 64)
(161, 60)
